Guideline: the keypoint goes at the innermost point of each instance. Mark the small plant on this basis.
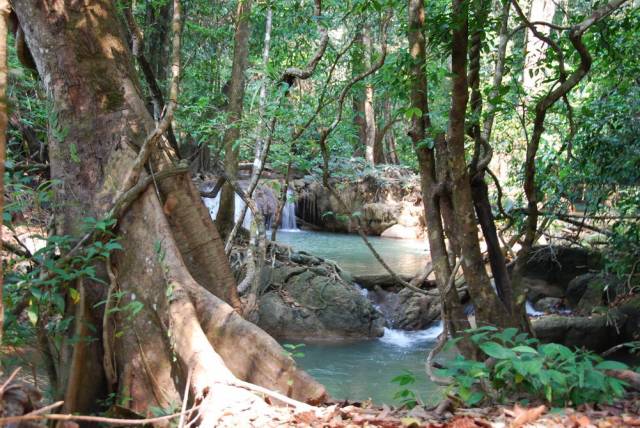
(294, 351)
(523, 367)
(405, 395)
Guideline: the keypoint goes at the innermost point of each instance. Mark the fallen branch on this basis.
(34, 416)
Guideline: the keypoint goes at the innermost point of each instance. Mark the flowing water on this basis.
(288, 220)
(364, 369)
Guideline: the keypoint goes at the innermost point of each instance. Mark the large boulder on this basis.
(313, 303)
(384, 280)
(557, 266)
(407, 310)
(548, 304)
(538, 289)
(398, 231)
(380, 200)
(596, 333)
(590, 291)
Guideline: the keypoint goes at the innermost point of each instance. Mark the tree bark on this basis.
(534, 73)
(430, 187)
(489, 309)
(172, 260)
(372, 151)
(226, 213)
(5, 9)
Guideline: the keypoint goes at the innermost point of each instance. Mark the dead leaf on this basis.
(524, 416)
(410, 422)
(580, 421)
(466, 422)
(634, 422)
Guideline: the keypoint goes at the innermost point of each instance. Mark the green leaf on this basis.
(75, 296)
(32, 314)
(413, 112)
(611, 365)
(523, 349)
(495, 350)
(73, 152)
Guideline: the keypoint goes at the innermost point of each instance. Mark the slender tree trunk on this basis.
(388, 139)
(262, 143)
(357, 67)
(534, 73)
(5, 9)
(172, 262)
(158, 22)
(369, 112)
(226, 213)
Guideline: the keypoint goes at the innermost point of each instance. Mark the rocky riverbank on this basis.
(388, 203)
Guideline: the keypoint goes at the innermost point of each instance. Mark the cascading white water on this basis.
(213, 205)
(288, 222)
(405, 338)
(288, 212)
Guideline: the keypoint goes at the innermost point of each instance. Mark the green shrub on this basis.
(406, 395)
(525, 368)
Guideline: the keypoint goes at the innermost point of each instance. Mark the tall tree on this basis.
(172, 261)
(5, 9)
(226, 213)
(368, 105)
(455, 318)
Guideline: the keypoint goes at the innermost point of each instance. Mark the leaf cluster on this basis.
(519, 366)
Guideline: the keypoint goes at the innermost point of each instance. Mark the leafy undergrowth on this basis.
(520, 367)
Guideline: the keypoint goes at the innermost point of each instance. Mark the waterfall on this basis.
(213, 205)
(289, 213)
(403, 338)
(288, 222)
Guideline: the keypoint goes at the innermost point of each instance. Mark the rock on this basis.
(382, 280)
(399, 231)
(599, 291)
(577, 287)
(311, 306)
(379, 217)
(557, 266)
(382, 199)
(548, 304)
(407, 310)
(538, 289)
(597, 333)
(631, 328)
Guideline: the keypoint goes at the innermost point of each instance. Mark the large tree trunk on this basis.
(453, 310)
(226, 213)
(172, 259)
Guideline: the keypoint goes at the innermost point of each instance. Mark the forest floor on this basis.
(623, 413)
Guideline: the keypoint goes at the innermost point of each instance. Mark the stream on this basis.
(363, 369)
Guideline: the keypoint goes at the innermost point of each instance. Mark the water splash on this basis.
(405, 339)
(531, 311)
